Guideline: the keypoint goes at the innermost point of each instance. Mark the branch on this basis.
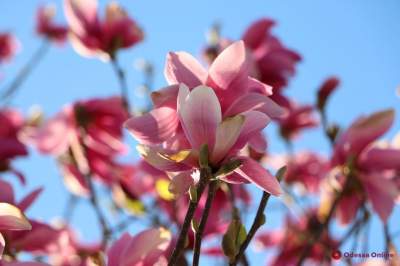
(25, 71)
(205, 174)
(199, 232)
(119, 72)
(258, 221)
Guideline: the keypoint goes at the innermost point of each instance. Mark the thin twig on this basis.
(205, 174)
(203, 221)
(254, 227)
(70, 207)
(119, 72)
(22, 75)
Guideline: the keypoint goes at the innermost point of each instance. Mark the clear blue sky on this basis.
(356, 40)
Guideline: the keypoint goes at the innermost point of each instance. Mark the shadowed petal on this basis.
(181, 67)
(154, 127)
(181, 183)
(255, 173)
(255, 34)
(256, 102)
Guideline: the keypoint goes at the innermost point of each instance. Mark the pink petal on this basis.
(166, 96)
(226, 136)
(257, 102)
(255, 173)
(348, 207)
(6, 192)
(259, 87)
(234, 178)
(258, 142)
(382, 193)
(200, 114)
(11, 218)
(149, 243)
(154, 127)
(181, 67)
(230, 66)
(27, 201)
(254, 123)
(114, 253)
(53, 137)
(181, 183)
(81, 15)
(257, 31)
(361, 133)
(380, 159)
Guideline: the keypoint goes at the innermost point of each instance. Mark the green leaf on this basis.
(233, 239)
(281, 173)
(193, 193)
(228, 168)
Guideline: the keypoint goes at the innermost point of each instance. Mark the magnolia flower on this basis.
(200, 116)
(90, 132)
(8, 47)
(46, 27)
(11, 218)
(144, 249)
(92, 36)
(224, 114)
(371, 169)
(271, 62)
(306, 169)
(298, 117)
(291, 240)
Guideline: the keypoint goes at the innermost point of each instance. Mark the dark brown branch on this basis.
(258, 221)
(205, 174)
(203, 221)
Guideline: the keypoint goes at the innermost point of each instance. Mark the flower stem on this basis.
(199, 233)
(22, 75)
(258, 219)
(205, 174)
(119, 72)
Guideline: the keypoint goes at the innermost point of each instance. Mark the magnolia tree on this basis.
(200, 143)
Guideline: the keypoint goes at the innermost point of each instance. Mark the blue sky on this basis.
(356, 40)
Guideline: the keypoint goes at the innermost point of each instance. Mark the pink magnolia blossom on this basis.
(92, 36)
(298, 117)
(306, 169)
(89, 131)
(66, 250)
(8, 46)
(225, 115)
(291, 240)
(274, 63)
(373, 168)
(144, 249)
(325, 90)
(46, 27)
